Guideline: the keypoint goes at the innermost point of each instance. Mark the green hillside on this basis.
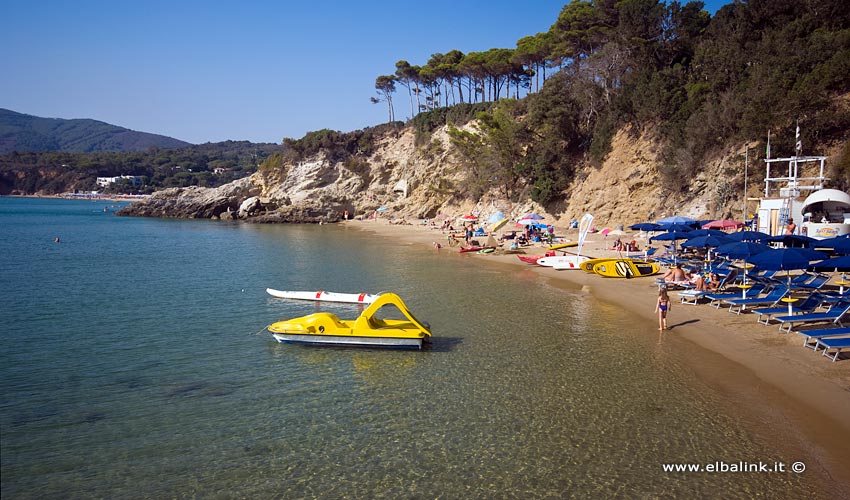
(27, 133)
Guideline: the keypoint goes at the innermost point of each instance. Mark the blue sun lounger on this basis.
(808, 305)
(692, 296)
(835, 313)
(717, 298)
(822, 333)
(815, 283)
(770, 298)
(838, 344)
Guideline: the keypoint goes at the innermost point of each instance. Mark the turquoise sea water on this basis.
(131, 367)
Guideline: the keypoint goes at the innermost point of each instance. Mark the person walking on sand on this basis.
(662, 305)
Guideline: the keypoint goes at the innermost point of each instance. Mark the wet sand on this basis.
(802, 396)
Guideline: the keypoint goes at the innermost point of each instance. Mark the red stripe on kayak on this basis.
(361, 297)
(319, 294)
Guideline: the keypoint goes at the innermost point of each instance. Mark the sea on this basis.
(134, 363)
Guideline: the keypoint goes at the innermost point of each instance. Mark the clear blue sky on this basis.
(208, 71)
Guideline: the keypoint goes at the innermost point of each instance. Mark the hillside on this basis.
(20, 132)
(418, 182)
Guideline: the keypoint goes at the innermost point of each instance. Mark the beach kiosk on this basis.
(826, 214)
(794, 188)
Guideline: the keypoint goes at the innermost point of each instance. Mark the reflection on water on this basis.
(163, 389)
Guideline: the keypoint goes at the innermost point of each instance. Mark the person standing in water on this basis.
(662, 305)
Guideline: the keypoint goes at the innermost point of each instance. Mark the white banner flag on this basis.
(583, 228)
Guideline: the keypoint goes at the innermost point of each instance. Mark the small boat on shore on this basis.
(562, 262)
(532, 259)
(351, 298)
(560, 246)
(625, 268)
(476, 249)
(366, 330)
(587, 266)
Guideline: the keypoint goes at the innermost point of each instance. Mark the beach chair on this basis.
(837, 343)
(728, 279)
(717, 298)
(770, 298)
(808, 305)
(833, 296)
(814, 284)
(834, 314)
(822, 333)
(692, 297)
(644, 254)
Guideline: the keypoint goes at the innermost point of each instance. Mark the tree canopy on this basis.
(698, 81)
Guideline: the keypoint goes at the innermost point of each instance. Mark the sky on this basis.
(256, 70)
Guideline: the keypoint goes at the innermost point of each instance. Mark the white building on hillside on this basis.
(105, 181)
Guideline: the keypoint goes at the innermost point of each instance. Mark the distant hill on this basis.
(20, 132)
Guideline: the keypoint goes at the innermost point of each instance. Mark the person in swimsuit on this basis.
(791, 228)
(662, 305)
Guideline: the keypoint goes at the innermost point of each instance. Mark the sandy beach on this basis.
(767, 373)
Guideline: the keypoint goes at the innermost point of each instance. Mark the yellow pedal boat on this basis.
(367, 330)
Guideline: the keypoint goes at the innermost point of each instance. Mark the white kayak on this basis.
(561, 262)
(351, 298)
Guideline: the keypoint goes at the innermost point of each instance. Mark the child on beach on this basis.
(662, 305)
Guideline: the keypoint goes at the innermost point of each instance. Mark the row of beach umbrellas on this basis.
(498, 220)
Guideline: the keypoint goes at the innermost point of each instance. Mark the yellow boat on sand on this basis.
(587, 266)
(367, 330)
(626, 268)
(559, 246)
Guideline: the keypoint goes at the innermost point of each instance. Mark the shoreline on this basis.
(766, 374)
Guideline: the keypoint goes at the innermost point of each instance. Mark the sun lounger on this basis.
(834, 314)
(822, 333)
(692, 297)
(808, 305)
(814, 284)
(717, 298)
(837, 343)
(770, 298)
(674, 284)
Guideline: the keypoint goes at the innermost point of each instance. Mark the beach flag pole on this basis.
(583, 228)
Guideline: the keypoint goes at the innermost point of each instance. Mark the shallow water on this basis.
(134, 365)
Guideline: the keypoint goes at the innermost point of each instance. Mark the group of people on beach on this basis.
(701, 281)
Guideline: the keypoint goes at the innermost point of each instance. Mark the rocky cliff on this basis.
(423, 182)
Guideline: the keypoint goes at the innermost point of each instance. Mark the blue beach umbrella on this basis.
(793, 240)
(787, 259)
(495, 217)
(677, 219)
(835, 264)
(705, 241)
(645, 226)
(705, 232)
(756, 236)
(839, 244)
(742, 250)
(676, 227)
(671, 236)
